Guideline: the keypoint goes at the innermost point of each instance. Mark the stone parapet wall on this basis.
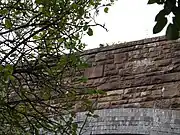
(143, 74)
(143, 121)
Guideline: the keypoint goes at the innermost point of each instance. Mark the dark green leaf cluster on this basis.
(40, 46)
(170, 6)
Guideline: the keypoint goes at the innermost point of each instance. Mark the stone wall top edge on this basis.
(135, 108)
(125, 44)
(131, 110)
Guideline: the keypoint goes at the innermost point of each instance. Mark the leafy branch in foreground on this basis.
(40, 43)
(173, 28)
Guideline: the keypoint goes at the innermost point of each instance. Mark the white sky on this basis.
(127, 20)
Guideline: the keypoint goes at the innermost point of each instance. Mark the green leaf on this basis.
(46, 94)
(152, 1)
(90, 32)
(168, 5)
(172, 32)
(8, 23)
(22, 108)
(160, 1)
(85, 27)
(3, 11)
(156, 1)
(36, 37)
(91, 91)
(1, 68)
(36, 131)
(38, 1)
(160, 15)
(84, 79)
(101, 92)
(159, 25)
(106, 9)
(11, 78)
(41, 9)
(176, 21)
(81, 11)
(9, 67)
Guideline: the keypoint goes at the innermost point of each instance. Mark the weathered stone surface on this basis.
(94, 72)
(120, 58)
(136, 94)
(110, 70)
(157, 92)
(136, 100)
(164, 62)
(115, 92)
(128, 90)
(171, 91)
(175, 103)
(101, 56)
(108, 61)
(110, 98)
(109, 67)
(109, 86)
(145, 93)
(145, 73)
(120, 102)
(147, 121)
(147, 104)
(141, 74)
(103, 105)
(162, 103)
(99, 81)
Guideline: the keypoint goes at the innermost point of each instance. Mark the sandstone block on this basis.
(115, 92)
(109, 67)
(120, 58)
(104, 105)
(145, 93)
(119, 66)
(175, 103)
(135, 100)
(148, 104)
(128, 90)
(125, 72)
(157, 92)
(100, 56)
(127, 96)
(94, 72)
(136, 95)
(162, 103)
(132, 105)
(108, 61)
(99, 81)
(119, 102)
(109, 86)
(170, 91)
(111, 72)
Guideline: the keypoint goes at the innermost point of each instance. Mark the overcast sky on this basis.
(127, 20)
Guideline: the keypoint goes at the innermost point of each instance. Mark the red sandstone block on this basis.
(120, 58)
(94, 72)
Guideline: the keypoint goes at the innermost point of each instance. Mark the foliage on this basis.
(170, 6)
(40, 42)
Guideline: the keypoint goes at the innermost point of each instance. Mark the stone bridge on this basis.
(142, 84)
